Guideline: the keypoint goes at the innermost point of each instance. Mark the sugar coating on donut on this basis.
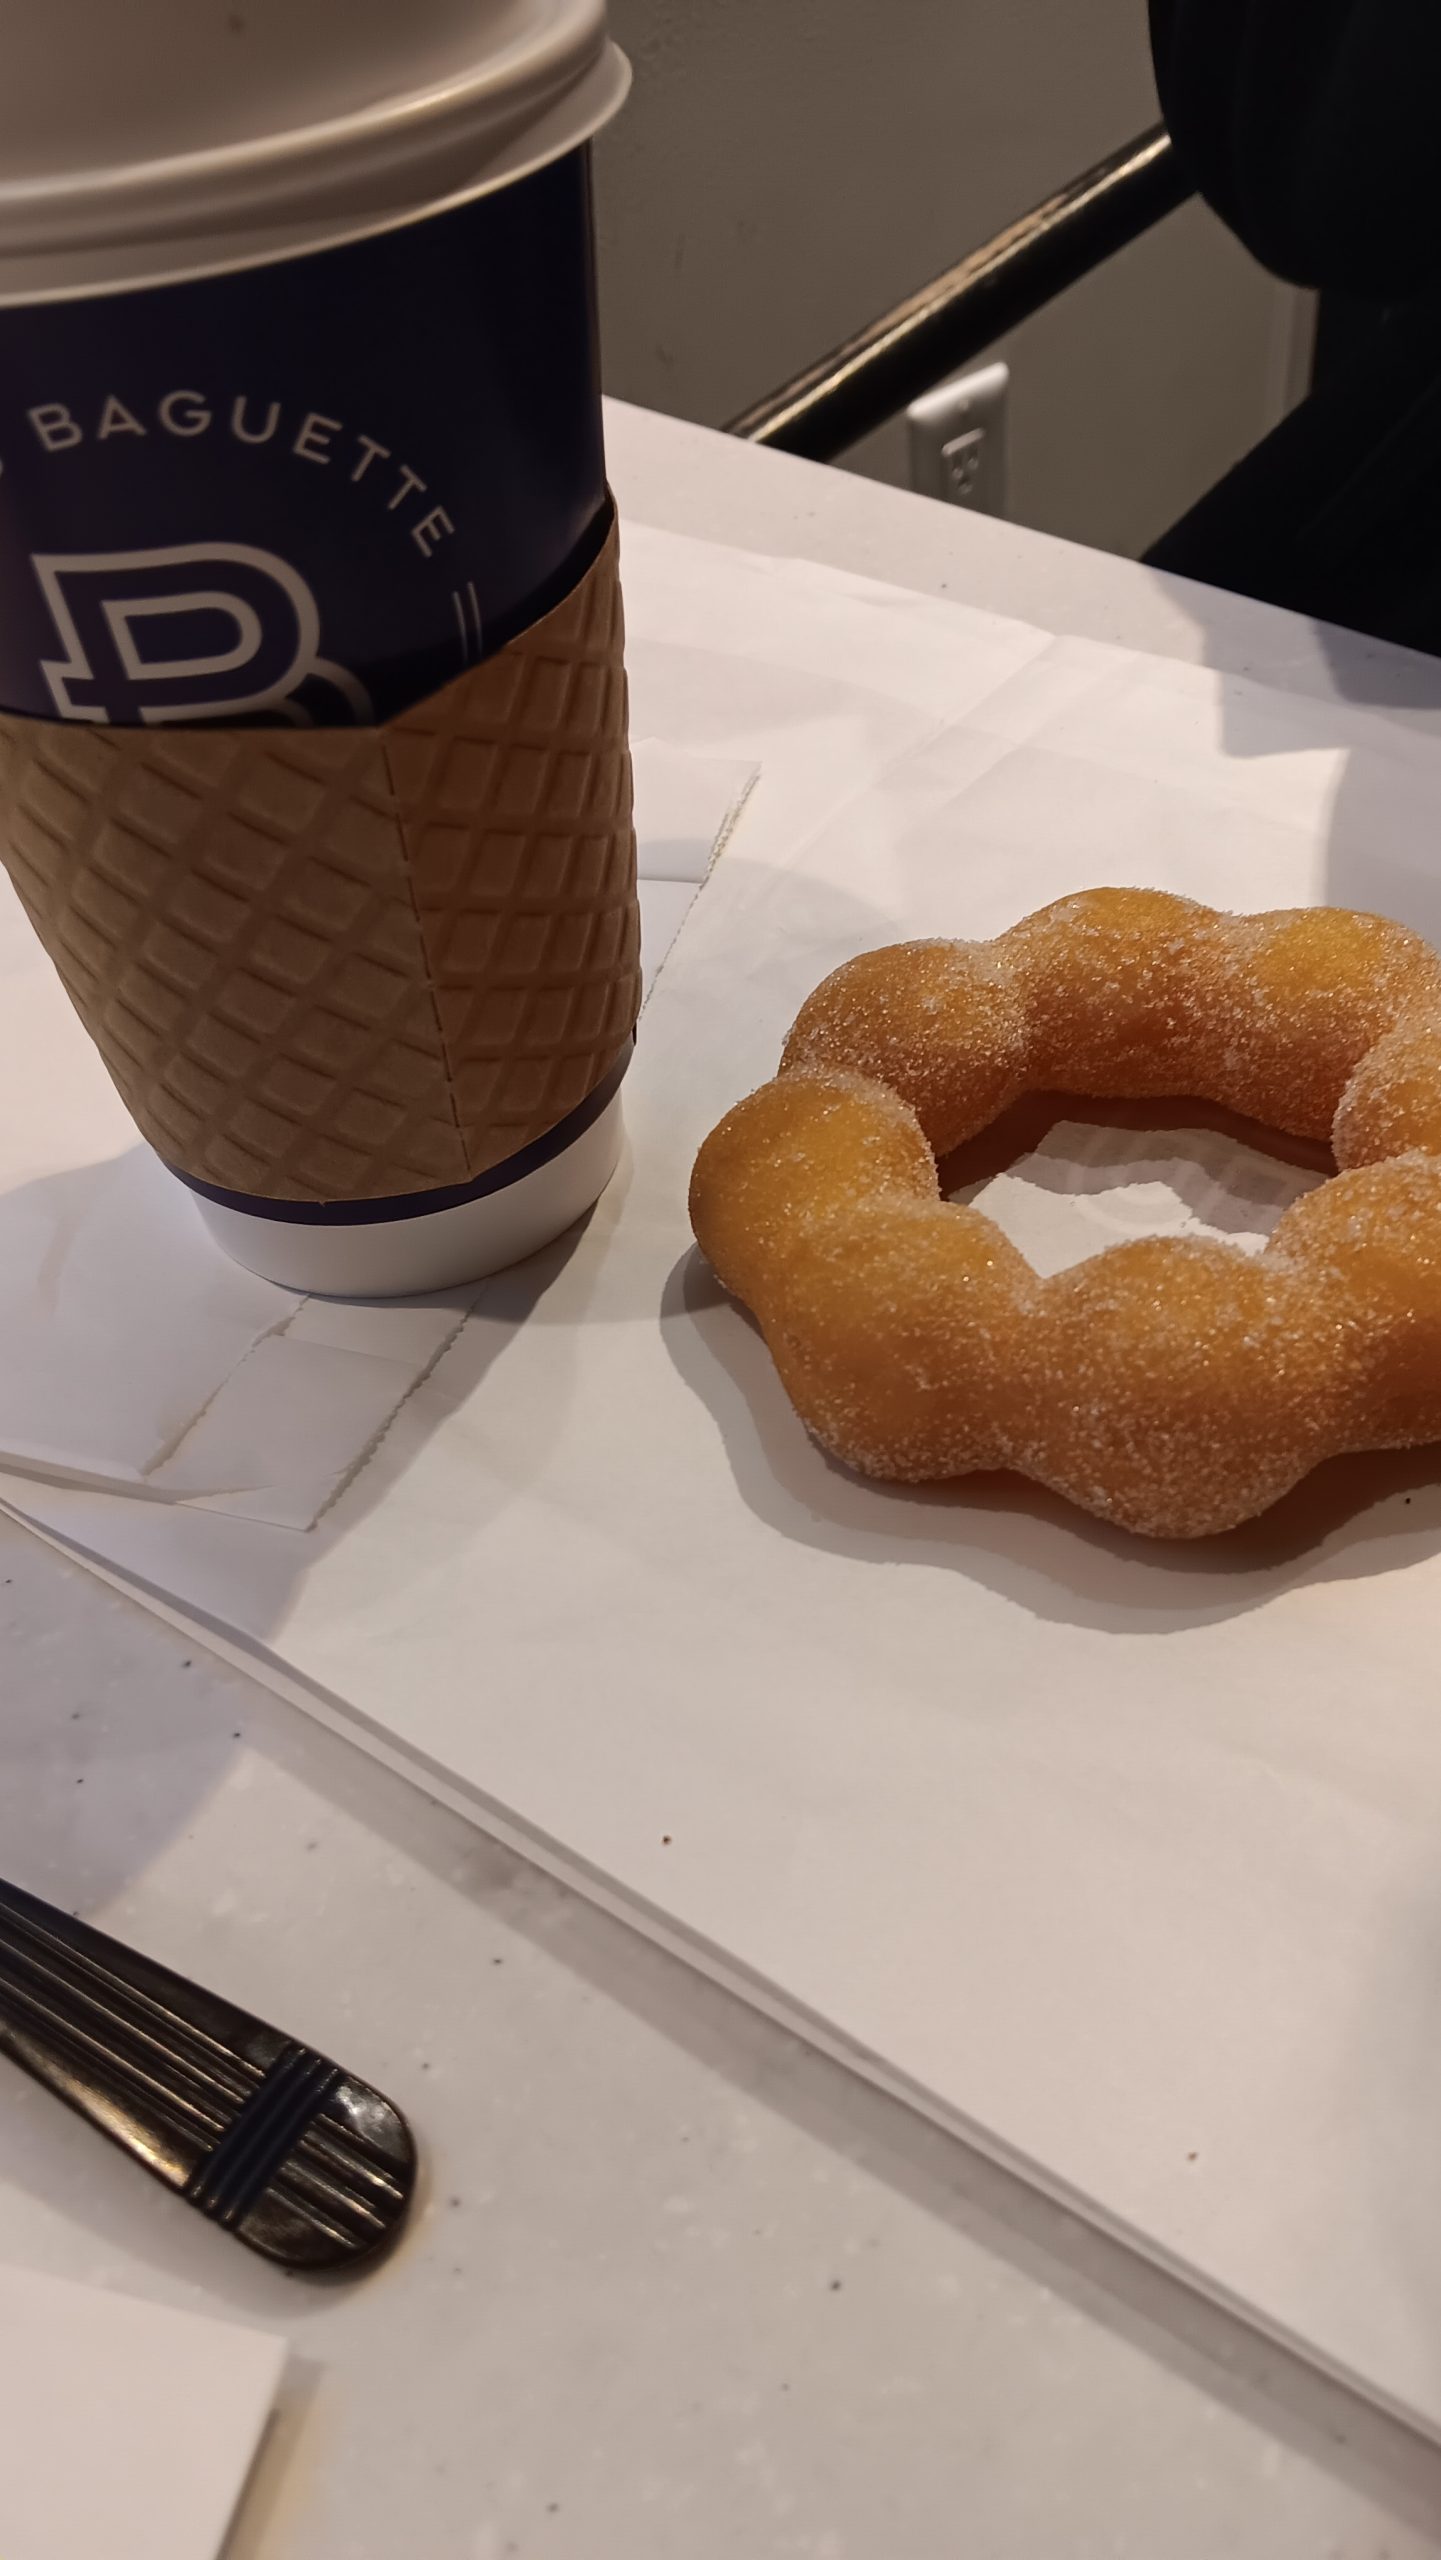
(1393, 1101)
(943, 1024)
(1173, 1386)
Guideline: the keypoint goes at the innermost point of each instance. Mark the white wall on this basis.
(787, 168)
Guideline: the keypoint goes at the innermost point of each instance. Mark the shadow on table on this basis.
(103, 1755)
(1347, 674)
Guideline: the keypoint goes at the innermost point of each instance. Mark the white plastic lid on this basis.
(148, 136)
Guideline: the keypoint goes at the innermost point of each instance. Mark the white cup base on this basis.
(406, 1257)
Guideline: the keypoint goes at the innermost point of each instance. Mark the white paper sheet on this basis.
(1120, 1859)
(126, 2430)
(687, 807)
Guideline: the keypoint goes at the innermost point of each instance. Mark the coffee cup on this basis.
(312, 614)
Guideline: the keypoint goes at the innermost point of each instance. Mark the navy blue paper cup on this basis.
(311, 490)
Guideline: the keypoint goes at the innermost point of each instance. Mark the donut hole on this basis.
(1064, 1177)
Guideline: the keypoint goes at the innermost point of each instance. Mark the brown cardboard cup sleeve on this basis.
(351, 965)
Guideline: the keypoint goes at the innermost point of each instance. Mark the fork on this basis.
(301, 2161)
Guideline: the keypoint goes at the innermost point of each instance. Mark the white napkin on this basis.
(126, 2430)
(686, 808)
(137, 1358)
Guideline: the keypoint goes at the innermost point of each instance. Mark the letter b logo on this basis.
(194, 632)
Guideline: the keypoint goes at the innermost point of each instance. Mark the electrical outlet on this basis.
(958, 440)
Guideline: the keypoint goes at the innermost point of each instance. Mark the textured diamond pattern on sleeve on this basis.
(337, 964)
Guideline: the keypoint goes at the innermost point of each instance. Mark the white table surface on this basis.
(680, 2289)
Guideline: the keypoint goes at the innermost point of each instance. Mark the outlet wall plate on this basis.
(957, 440)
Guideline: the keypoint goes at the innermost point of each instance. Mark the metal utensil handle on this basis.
(304, 2163)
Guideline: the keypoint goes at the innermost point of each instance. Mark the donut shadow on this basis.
(1354, 1516)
